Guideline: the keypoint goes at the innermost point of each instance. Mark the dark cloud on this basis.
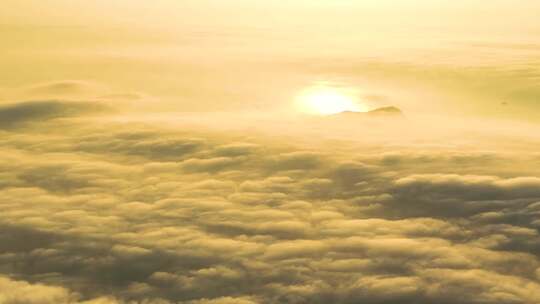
(20, 114)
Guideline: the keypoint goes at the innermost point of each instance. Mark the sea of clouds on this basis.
(100, 211)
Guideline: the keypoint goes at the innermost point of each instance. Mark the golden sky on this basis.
(449, 57)
(269, 152)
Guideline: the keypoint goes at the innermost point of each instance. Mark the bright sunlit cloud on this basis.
(327, 100)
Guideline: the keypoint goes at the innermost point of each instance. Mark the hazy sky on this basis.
(436, 57)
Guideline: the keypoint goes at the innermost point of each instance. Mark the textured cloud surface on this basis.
(98, 211)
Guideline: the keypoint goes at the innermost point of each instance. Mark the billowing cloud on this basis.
(96, 211)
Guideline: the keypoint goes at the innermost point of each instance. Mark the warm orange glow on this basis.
(263, 151)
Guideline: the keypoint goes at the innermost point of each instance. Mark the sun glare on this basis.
(327, 101)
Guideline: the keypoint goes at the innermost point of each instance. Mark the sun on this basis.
(327, 101)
